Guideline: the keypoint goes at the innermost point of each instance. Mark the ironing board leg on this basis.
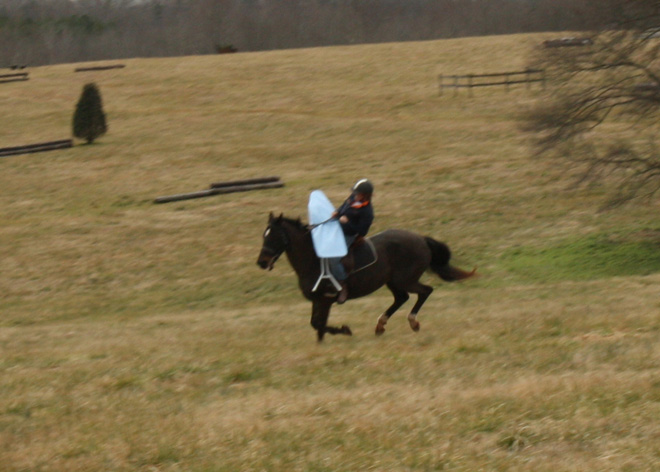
(326, 274)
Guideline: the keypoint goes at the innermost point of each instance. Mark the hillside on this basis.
(137, 336)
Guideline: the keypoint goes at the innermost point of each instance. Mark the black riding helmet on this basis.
(363, 186)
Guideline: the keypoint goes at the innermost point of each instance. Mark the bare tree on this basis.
(601, 113)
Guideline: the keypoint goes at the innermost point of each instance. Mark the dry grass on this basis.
(136, 336)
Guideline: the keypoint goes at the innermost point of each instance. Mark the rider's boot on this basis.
(343, 293)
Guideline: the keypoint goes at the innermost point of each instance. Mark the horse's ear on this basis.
(272, 218)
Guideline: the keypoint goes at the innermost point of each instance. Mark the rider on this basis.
(355, 216)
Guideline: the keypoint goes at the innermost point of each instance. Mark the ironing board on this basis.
(327, 235)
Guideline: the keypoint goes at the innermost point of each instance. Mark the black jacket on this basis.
(360, 216)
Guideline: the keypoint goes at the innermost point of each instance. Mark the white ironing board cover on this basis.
(328, 238)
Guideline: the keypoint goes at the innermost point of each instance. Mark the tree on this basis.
(89, 118)
(602, 109)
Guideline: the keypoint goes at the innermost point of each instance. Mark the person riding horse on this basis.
(404, 256)
(355, 215)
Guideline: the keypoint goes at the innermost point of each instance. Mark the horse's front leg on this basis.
(320, 314)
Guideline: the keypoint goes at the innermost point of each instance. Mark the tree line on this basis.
(38, 32)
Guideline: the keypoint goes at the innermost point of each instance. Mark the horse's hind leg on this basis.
(423, 292)
(400, 297)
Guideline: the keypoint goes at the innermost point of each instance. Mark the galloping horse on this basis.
(402, 259)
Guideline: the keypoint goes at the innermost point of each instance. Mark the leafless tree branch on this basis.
(602, 110)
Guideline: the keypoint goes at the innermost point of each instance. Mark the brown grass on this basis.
(136, 336)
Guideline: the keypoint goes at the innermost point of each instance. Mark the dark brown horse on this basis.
(402, 259)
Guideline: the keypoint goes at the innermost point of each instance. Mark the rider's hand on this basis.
(343, 219)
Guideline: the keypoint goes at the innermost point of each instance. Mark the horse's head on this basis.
(276, 241)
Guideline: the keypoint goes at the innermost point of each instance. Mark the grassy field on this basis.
(142, 337)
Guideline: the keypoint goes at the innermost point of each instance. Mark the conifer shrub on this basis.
(89, 119)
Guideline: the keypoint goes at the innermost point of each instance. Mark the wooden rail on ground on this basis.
(470, 81)
(39, 147)
(220, 188)
(234, 183)
(16, 77)
(567, 42)
(87, 69)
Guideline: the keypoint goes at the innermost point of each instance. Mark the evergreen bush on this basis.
(89, 119)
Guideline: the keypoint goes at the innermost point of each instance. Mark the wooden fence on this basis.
(39, 147)
(16, 77)
(507, 79)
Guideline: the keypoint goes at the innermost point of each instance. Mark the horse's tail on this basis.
(440, 255)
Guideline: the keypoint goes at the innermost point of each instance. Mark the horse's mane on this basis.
(297, 222)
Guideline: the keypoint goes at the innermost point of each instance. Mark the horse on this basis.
(403, 257)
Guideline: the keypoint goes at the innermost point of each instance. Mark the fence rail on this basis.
(471, 81)
(19, 76)
(38, 147)
(567, 42)
(93, 68)
(221, 188)
(257, 181)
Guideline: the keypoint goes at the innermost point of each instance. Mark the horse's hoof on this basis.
(346, 330)
(414, 325)
(380, 329)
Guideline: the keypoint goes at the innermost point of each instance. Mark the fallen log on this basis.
(217, 191)
(38, 147)
(261, 180)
